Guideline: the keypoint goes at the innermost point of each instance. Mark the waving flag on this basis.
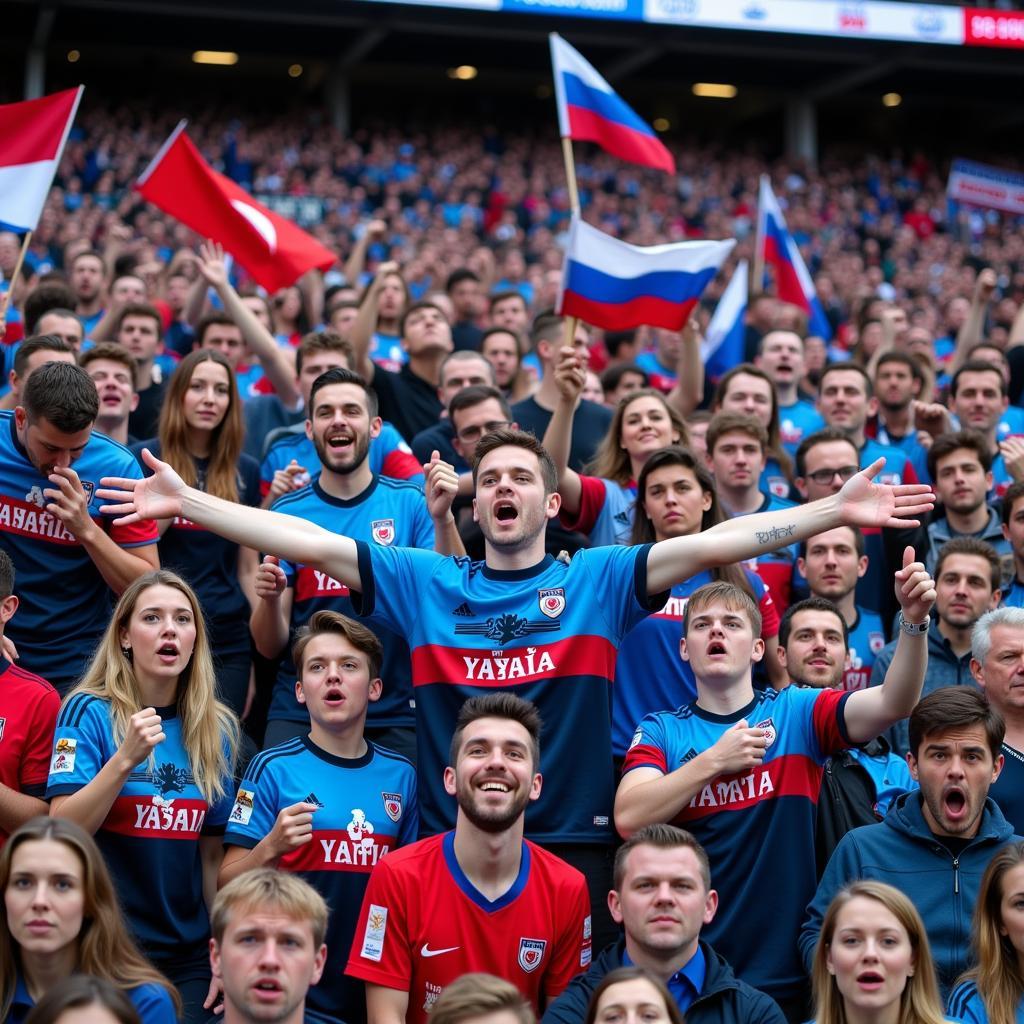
(617, 286)
(792, 280)
(723, 345)
(32, 137)
(271, 248)
(590, 111)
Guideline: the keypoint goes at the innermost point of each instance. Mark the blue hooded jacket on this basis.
(903, 852)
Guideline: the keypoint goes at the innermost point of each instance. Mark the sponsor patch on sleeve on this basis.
(63, 759)
(373, 936)
(242, 811)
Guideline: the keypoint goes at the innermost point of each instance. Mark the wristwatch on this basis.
(914, 628)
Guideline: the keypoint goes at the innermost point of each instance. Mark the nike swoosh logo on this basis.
(427, 951)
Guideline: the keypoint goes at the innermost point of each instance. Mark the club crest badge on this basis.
(383, 530)
(531, 953)
(392, 805)
(552, 601)
(769, 727)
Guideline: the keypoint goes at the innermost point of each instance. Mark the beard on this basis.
(358, 453)
(493, 821)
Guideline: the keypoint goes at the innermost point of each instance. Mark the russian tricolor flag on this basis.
(724, 343)
(590, 111)
(32, 137)
(792, 280)
(617, 286)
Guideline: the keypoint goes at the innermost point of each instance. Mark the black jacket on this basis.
(724, 1000)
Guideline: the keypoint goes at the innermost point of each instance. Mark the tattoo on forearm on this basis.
(776, 533)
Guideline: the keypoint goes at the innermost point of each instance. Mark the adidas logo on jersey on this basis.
(312, 799)
(464, 611)
(623, 518)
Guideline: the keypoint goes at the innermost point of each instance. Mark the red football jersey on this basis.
(423, 924)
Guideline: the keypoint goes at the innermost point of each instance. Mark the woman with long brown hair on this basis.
(675, 498)
(144, 757)
(201, 436)
(992, 992)
(62, 918)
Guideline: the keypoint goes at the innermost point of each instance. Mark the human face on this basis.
(720, 644)
(955, 770)
(1011, 909)
(46, 446)
(258, 307)
(737, 461)
(751, 396)
(45, 897)
(114, 385)
(592, 390)
(463, 373)
(335, 681)
(895, 386)
(838, 459)
(635, 1001)
(341, 427)
(266, 961)
(465, 298)
(628, 383)
(1013, 531)
(161, 634)
(426, 330)
(674, 501)
(980, 403)
(645, 427)
(391, 298)
(208, 397)
(128, 290)
(960, 482)
(964, 590)
(472, 423)
(698, 433)
(510, 313)
(67, 328)
(315, 364)
(227, 339)
(141, 336)
(815, 654)
(832, 565)
(663, 902)
(1001, 675)
(494, 776)
(994, 356)
(870, 956)
(342, 320)
(782, 358)
(843, 402)
(502, 352)
(510, 503)
(87, 277)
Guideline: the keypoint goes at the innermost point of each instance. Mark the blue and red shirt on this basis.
(549, 633)
(606, 511)
(757, 825)
(797, 421)
(65, 602)
(389, 512)
(423, 924)
(367, 808)
(776, 568)
(150, 836)
(867, 638)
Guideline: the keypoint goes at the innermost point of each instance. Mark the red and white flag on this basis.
(272, 249)
(32, 137)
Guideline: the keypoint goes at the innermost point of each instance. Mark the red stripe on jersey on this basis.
(143, 532)
(336, 850)
(574, 656)
(29, 520)
(826, 721)
(310, 583)
(789, 775)
(400, 465)
(143, 817)
(643, 755)
(181, 523)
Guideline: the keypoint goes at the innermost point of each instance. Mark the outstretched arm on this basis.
(870, 712)
(688, 392)
(164, 494)
(570, 375)
(860, 503)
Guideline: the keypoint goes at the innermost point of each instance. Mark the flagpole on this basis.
(574, 208)
(757, 274)
(5, 300)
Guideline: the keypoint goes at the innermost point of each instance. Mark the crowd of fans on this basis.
(396, 581)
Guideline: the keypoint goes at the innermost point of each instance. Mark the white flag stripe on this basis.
(730, 306)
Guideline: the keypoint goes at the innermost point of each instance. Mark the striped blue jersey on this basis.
(150, 837)
(389, 512)
(367, 807)
(606, 511)
(756, 825)
(549, 633)
(867, 638)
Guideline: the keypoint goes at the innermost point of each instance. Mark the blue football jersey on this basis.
(389, 512)
(867, 638)
(796, 422)
(367, 807)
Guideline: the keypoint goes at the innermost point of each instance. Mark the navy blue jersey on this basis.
(1008, 789)
(367, 807)
(549, 633)
(65, 602)
(756, 825)
(867, 638)
(150, 837)
(388, 512)
(206, 560)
